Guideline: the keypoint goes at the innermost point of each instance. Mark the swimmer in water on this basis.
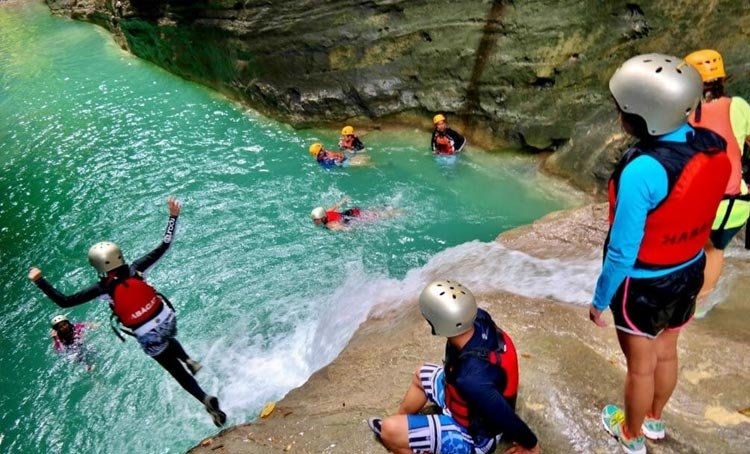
(333, 219)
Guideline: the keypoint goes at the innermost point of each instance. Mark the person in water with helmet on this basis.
(445, 141)
(333, 219)
(349, 141)
(146, 314)
(663, 196)
(475, 389)
(330, 159)
(67, 339)
(729, 117)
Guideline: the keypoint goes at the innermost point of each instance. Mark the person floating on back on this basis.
(68, 339)
(445, 141)
(146, 314)
(475, 389)
(349, 141)
(663, 196)
(331, 159)
(729, 117)
(333, 219)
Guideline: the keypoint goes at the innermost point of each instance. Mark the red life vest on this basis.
(504, 358)
(333, 216)
(443, 144)
(135, 302)
(678, 228)
(347, 142)
(715, 115)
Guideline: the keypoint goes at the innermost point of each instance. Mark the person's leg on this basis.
(639, 382)
(179, 352)
(714, 266)
(169, 361)
(665, 375)
(395, 434)
(415, 397)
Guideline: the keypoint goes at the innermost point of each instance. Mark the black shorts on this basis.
(646, 307)
(721, 238)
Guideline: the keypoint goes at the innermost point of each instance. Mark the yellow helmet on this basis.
(347, 131)
(315, 149)
(709, 64)
(438, 118)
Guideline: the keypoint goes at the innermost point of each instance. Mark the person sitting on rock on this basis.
(475, 389)
(445, 141)
(730, 118)
(349, 141)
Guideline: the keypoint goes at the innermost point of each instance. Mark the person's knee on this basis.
(393, 430)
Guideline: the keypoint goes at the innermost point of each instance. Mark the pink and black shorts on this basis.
(647, 306)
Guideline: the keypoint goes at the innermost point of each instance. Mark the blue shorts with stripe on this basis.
(441, 434)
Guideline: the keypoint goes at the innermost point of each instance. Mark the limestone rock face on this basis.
(529, 74)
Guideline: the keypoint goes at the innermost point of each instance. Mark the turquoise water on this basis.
(93, 140)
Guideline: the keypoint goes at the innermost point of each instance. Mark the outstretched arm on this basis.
(145, 262)
(338, 204)
(84, 296)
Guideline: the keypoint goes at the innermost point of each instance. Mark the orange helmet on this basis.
(347, 131)
(315, 149)
(438, 118)
(709, 64)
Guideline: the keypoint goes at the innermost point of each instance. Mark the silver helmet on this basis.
(105, 257)
(448, 307)
(661, 89)
(58, 319)
(318, 213)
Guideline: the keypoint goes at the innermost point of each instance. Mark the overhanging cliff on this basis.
(529, 74)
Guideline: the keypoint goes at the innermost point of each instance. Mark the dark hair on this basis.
(714, 88)
(635, 125)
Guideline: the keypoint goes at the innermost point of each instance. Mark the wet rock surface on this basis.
(569, 368)
(526, 74)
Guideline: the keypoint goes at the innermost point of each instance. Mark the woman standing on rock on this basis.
(663, 197)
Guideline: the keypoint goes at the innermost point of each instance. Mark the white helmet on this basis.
(58, 319)
(661, 89)
(318, 213)
(448, 307)
(105, 257)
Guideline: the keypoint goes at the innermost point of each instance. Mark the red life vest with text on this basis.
(135, 302)
(697, 172)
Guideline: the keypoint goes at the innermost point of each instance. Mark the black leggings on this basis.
(170, 359)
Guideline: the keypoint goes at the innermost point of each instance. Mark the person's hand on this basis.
(518, 449)
(174, 206)
(35, 274)
(595, 315)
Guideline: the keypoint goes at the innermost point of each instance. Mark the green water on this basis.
(92, 141)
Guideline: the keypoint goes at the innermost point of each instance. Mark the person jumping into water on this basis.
(445, 141)
(663, 197)
(729, 117)
(68, 339)
(146, 314)
(476, 387)
(333, 219)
